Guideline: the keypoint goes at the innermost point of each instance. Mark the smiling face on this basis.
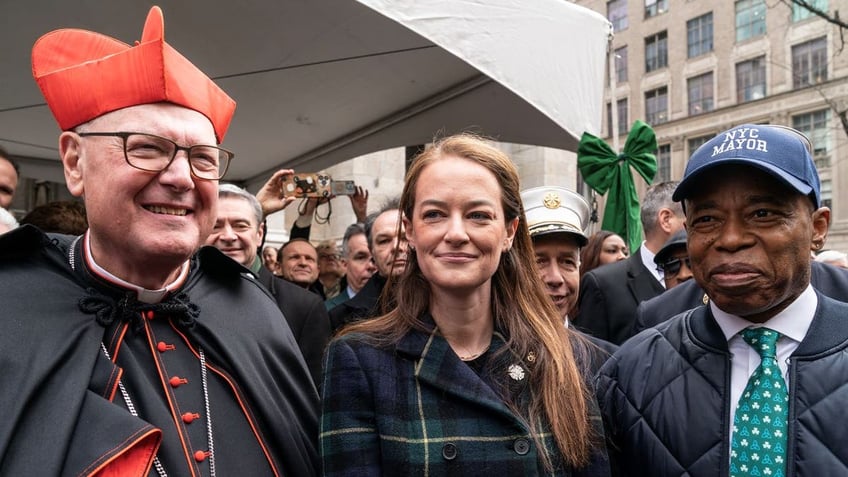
(236, 232)
(558, 263)
(750, 239)
(458, 226)
(143, 225)
(299, 263)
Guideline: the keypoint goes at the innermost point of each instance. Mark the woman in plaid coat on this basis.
(472, 372)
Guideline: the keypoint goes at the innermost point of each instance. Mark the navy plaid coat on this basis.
(417, 409)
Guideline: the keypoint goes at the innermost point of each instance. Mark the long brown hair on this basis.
(520, 306)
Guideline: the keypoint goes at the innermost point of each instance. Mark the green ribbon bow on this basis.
(604, 170)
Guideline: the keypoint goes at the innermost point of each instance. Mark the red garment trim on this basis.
(241, 403)
(188, 453)
(134, 456)
(115, 379)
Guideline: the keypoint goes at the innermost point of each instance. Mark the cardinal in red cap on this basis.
(126, 350)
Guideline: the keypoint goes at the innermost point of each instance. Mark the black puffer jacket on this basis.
(665, 398)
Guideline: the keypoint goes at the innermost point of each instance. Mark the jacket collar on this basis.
(437, 365)
(827, 331)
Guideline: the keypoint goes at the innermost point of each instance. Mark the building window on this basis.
(621, 64)
(621, 112)
(656, 106)
(700, 94)
(699, 35)
(663, 163)
(827, 195)
(800, 13)
(815, 126)
(750, 19)
(809, 63)
(696, 142)
(617, 14)
(751, 80)
(656, 52)
(655, 7)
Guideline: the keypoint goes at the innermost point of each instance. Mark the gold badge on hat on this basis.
(551, 200)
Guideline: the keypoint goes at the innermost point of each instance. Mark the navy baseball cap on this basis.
(781, 151)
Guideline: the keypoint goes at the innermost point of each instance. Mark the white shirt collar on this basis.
(793, 322)
(648, 261)
(144, 295)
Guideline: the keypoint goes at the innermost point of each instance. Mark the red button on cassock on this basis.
(189, 417)
(177, 381)
(162, 346)
(200, 456)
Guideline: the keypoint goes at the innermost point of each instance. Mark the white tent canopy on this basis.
(318, 82)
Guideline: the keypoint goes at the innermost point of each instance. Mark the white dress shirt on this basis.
(648, 261)
(792, 323)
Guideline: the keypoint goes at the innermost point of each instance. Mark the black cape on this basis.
(61, 411)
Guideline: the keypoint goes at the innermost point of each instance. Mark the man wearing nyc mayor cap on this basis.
(754, 382)
(124, 351)
(556, 218)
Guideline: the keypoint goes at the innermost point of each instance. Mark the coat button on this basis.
(521, 446)
(449, 451)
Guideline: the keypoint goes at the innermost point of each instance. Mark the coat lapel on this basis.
(640, 280)
(438, 366)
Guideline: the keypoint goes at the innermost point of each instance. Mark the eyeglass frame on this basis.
(177, 148)
(675, 262)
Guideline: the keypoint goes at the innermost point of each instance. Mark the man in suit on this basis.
(358, 264)
(754, 383)
(556, 218)
(610, 294)
(389, 254)
(238, 233)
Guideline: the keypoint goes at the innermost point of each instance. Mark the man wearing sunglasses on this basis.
(673, 260)
(126, 351)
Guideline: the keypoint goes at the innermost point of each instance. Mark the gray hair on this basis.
(352, 231)
(232, 190)
(7, 220)
(657, 197)
(391, 204)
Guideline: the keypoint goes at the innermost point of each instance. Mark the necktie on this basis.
(758, 446)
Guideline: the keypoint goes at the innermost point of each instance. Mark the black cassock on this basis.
(62, 411)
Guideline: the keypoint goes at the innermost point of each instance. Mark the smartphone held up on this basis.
(316, 184)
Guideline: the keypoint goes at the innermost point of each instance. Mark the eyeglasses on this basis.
(153, 153)
(672, 267)
(329, 257)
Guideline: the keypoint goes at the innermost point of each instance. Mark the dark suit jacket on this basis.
(609, 296)
(829, 280)
(414, 407)
(306, 316)
(361, 306)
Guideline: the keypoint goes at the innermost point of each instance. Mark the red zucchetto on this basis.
(84, 74)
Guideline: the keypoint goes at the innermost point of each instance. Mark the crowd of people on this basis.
(467, 327)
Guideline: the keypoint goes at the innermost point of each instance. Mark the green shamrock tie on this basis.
(758, 447)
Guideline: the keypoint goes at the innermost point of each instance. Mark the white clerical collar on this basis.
(144, 295)
(793, 322)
